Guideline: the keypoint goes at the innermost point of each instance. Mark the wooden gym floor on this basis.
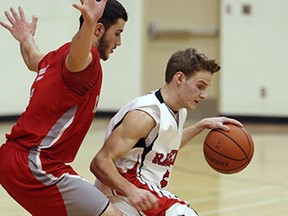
(259, 190)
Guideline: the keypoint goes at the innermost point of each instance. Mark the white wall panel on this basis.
(254, 50)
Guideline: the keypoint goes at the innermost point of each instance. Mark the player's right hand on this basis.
(20, 28)
(142, 199)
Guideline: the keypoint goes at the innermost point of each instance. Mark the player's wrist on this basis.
(203, 124)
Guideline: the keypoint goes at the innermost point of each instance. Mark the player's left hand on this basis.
(221, 123)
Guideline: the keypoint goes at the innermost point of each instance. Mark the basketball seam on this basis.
(226, 171)
(223, 154)
(246, 155)
(250, 144)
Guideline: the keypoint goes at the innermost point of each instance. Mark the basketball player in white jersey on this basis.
(134, 165)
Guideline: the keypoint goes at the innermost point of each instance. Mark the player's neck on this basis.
(168, 97)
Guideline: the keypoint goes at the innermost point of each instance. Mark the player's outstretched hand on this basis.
(91, 10)
(20, 28)
(142, 200)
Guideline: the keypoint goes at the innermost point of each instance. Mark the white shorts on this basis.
(177, 209)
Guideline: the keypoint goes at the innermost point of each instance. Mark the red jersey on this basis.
(58, 117)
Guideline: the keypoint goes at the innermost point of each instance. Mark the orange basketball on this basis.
(228, 152)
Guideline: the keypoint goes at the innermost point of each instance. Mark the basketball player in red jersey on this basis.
(62, 105)
(143, 139)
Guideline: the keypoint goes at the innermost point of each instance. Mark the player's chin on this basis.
(192, 106)
(105, 57)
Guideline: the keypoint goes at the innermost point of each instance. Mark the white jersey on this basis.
(151, 160)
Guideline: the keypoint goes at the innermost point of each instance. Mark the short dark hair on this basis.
(112, 12)
(189, 61)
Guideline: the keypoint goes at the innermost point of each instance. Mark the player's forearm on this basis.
(192, 131)
(31, 54)
(79, 54)
(105, 171)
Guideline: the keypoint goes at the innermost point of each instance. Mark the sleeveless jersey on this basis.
(151, 160)
(57, 119)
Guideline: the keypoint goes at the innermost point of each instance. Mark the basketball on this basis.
(228, 152)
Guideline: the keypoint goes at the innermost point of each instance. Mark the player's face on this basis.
(111, 39)
(194, 89)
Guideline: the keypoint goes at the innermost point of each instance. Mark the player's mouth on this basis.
(112, 50)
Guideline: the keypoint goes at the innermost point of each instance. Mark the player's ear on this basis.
(180, 77)
(99, 29)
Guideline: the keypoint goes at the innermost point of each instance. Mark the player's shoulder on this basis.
(147, 103)
(54, 54)
(148, 99)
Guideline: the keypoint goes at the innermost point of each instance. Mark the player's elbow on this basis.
(32, 67)
(95, 165)
(76, 64)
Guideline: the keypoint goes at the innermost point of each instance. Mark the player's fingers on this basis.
(151, 202)
(226, 120)
(34, 24)
(21, 13)
(147, 204)
(139, 205)
(5, 26)
(78, 7)
(9, 17)
(155, 204)
(14, 13)
(233, 121)
(143, 207)
(224, 127)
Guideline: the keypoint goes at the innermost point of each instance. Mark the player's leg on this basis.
(180, 210)
(82, 198)
(121, 202)
(44, 194)
(112, 211)
(17, 179)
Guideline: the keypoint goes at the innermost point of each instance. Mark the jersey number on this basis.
(164, 181)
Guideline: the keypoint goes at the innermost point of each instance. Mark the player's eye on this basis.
(201, 87)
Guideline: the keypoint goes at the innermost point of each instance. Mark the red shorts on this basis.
(44, 186)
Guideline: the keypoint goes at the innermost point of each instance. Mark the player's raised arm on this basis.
(23, 31)
(79, 56)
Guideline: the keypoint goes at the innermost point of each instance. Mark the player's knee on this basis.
(112, 211)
